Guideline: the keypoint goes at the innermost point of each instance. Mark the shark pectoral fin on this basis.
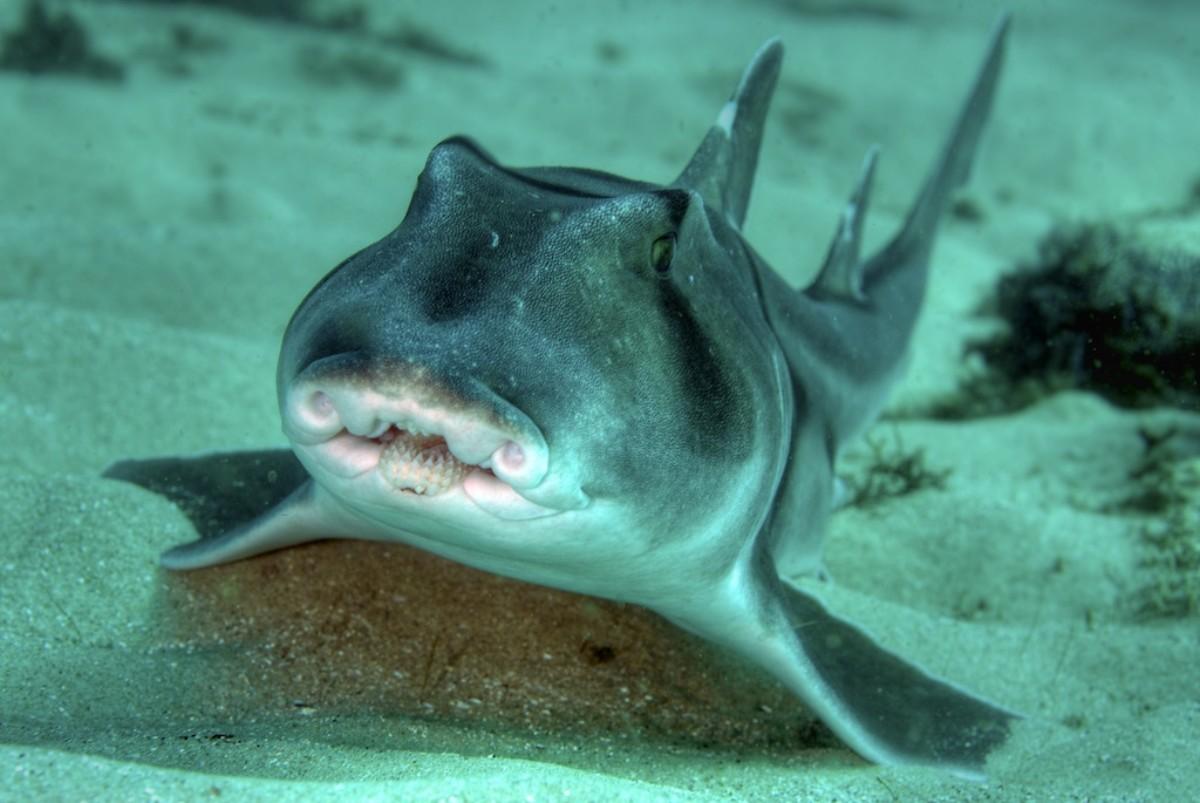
(886, 709)
(295, 520)
(241, 503)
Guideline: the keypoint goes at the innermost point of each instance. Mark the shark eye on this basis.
(662, 251)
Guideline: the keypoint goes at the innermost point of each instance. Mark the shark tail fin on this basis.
(722, 169)
(914, 241)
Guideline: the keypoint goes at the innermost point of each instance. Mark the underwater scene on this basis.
(551, 401)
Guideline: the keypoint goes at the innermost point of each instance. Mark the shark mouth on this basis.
(415, 449)
(420, 463)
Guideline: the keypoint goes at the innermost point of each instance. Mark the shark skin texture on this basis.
(594, 383)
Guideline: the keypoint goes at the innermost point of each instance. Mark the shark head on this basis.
(546, 365)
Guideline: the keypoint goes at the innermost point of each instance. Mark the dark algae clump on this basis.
(54, 44)
(1100, 311)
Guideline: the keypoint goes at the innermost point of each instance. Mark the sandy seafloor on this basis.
(156, 234)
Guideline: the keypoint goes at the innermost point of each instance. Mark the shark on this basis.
(597, 384)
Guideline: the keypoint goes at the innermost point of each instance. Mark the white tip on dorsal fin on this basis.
(842, 273)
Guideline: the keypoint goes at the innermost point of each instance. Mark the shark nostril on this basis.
(312, 414)
(320, 404)
(512, 456)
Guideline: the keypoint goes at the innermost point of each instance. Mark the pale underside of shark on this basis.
(593, 383)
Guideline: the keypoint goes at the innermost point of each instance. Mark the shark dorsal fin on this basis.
(722, 169)
(845, 274)
(915, 238)
(842, 273)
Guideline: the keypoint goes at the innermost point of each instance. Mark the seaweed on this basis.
(417, 40)
(1100, 310)
(352, 17)
(187, 38)
(892, 472)
(45, 44)
(1167, 488)
(348, 66)
(1171, 542)
(1151, 494)
(865, 9)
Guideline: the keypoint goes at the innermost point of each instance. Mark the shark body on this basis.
(594, 383)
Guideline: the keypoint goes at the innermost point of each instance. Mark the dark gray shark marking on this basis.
(594, 383)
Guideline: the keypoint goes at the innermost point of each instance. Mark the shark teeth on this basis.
(419, 462)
